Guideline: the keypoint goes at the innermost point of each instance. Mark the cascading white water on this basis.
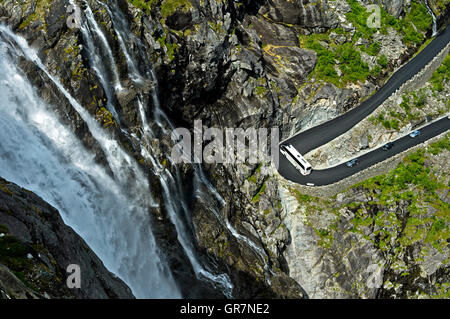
(111, 215)
(200, 175)
(93, 25)
(107, 73)
(121, 28)
(37, 152)
(434, 18)
(172, 194)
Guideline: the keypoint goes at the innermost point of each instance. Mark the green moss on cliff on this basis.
(439, 6)
(144, 5)
(261, 190)
(413, 26)
(171, 48)
(415, 105)
(5, 190)
(168, 7)
(42, 7)
(13, 254)
(441, 75)
(332, 56)
(341, 63)
(105, 117)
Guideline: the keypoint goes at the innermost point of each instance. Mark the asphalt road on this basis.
(336, 173)
(311, 139)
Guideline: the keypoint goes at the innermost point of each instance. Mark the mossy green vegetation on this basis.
(351, 65)
(441, 75)
(382, 61)
(437, 147)
(358, 16)
(413, 105)
(261, 88)
(413, 26)
(388, 123)
(331, 56)
(105, 117)
(5, 190)
(415, 184)
(261, 190)
(313, 207)
(439, 6)
(13, 254)
(171, 48)
(34, 274)
(253, 178)
(373, 48)
(168, 7)
(341, 63)
(42, 7)
(78, 71)
(144, 5)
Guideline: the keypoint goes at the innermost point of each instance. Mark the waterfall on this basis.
(200, 194)
(107, 74)
(434, 18)
(39, 153)
(121, 28)
(93, 25)
(102, 62)
(171, 186)
(110, 213)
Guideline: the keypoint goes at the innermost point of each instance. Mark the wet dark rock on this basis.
(394, 7)
(39, 242)
(179, 21)
(305, 13)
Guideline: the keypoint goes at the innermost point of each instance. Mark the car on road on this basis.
(415, 133)
(352, 162)
(388, 146)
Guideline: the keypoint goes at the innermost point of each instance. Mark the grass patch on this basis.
(169, 7)
(170, 47)
(261, 190)
(145, 6)
(437, 147)
(331, 55)
(106, 117)
(413, 26)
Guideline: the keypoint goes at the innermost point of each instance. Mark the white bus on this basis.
(296, 159)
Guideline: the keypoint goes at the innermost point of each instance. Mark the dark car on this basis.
(388, 146)
(352, 162)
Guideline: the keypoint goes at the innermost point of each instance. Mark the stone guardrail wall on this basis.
(425, 74)
(383, 167)
(420, 78)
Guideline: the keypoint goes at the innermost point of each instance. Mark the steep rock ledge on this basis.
(37, 247)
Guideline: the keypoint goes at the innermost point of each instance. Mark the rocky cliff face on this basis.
(36, 248)
(379, 238)
(286, 64)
